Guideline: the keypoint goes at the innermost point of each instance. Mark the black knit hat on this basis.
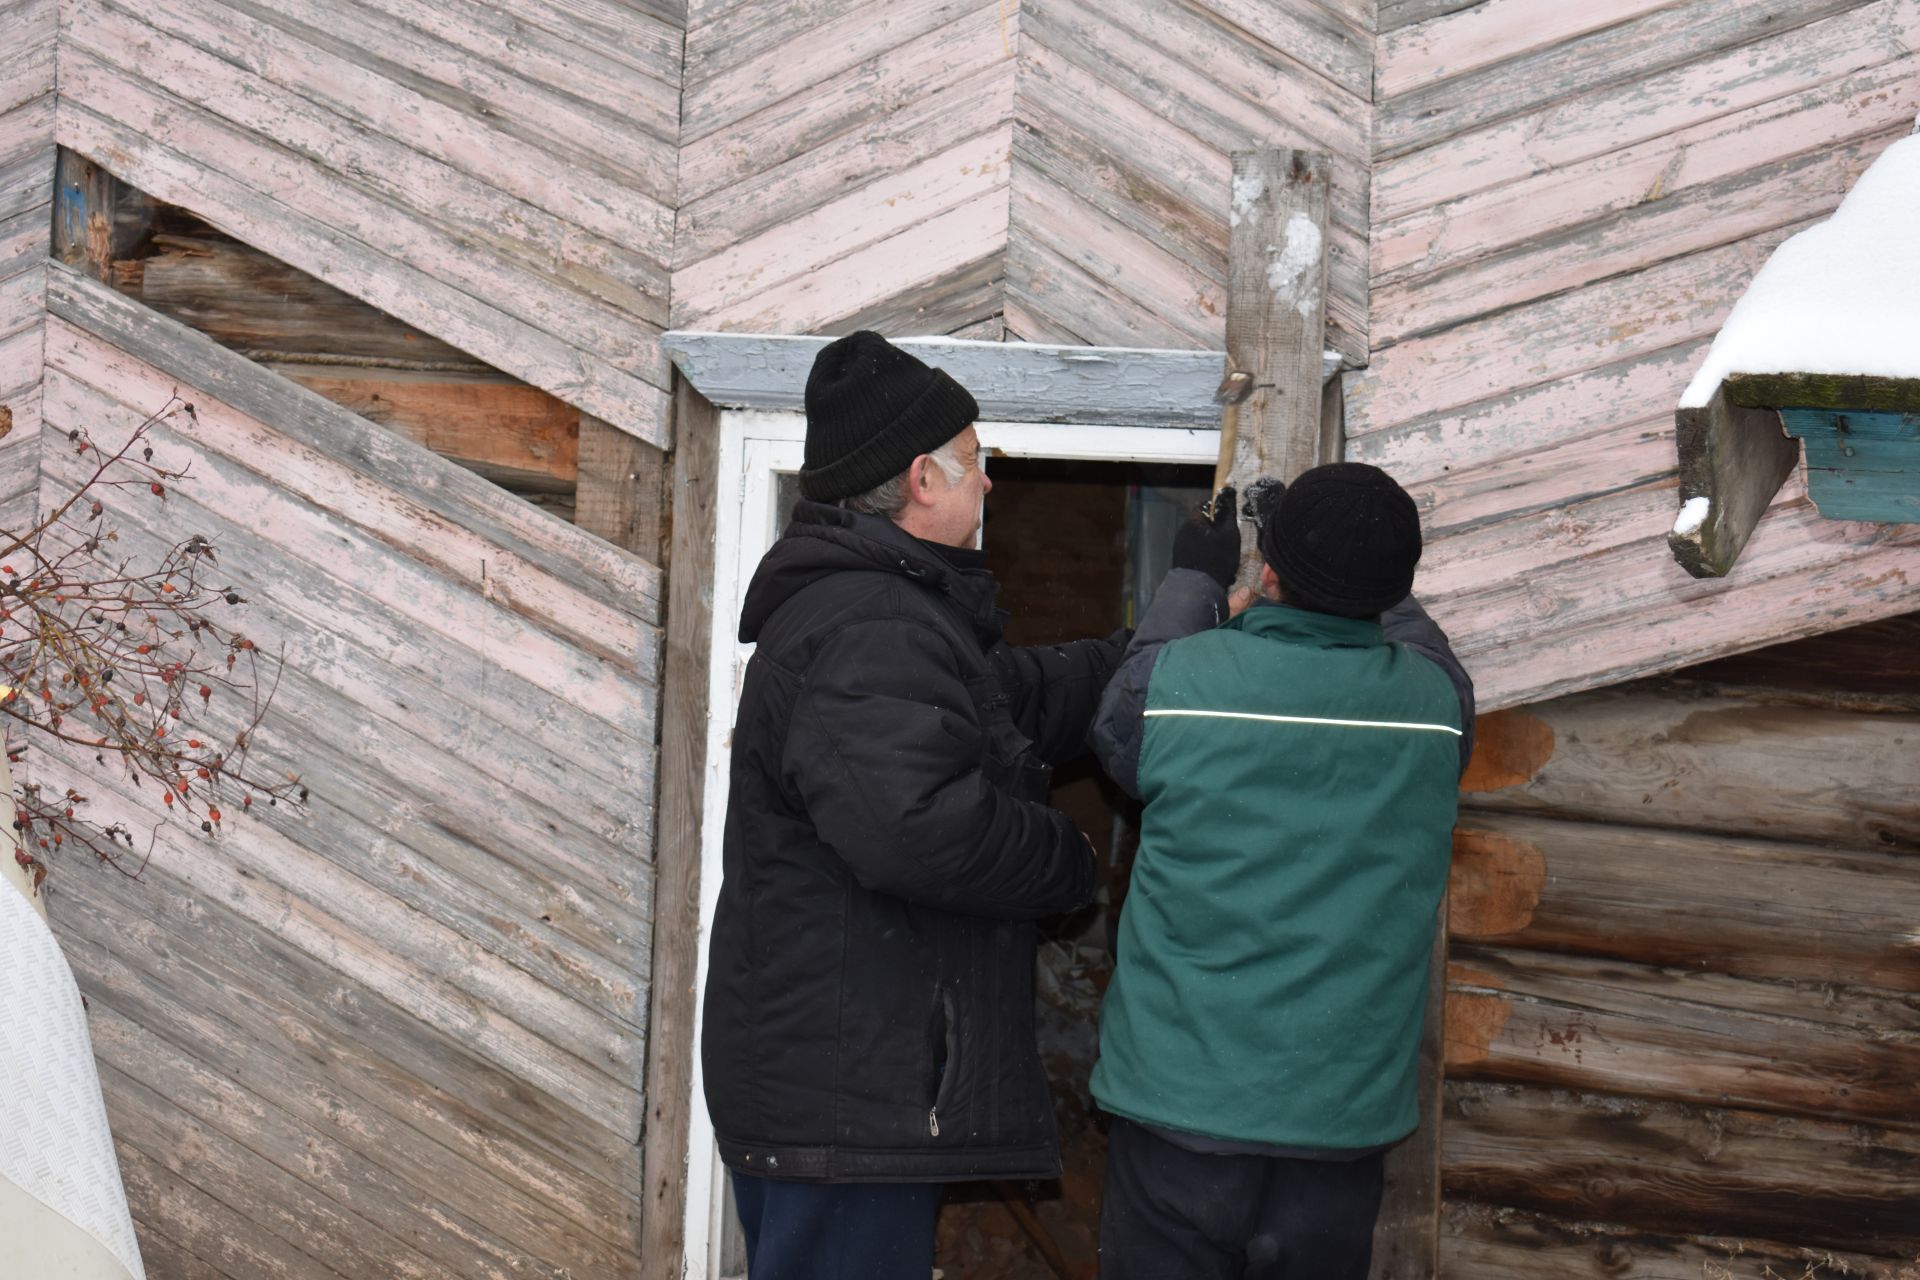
(1344, 538)
(871, 410)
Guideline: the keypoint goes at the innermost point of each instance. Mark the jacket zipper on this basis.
(933, 1122)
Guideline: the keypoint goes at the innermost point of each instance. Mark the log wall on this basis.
(399, 1031)
(1683, 1008)
(1567, 200)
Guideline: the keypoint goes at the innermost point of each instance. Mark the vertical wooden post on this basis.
(621, 491)
(676, 849)
(1406, 1237)
(1276, 313)
(97, 219)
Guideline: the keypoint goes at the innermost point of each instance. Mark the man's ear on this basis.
(1270, 583)
(920, 480)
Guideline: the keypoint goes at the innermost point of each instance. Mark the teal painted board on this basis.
(1860, 466)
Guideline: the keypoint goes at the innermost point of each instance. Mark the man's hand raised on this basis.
(1210, 540)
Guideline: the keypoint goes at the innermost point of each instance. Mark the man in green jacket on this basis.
(1299, 762)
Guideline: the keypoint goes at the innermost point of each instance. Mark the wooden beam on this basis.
(1732, 461)
(1013, 381)
(1860, 393)
(1406, 1236)
(1276, 308)
(83, 200)
(621, 491)
(676, 922)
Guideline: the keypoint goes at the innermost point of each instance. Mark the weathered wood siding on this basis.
(503, 177)
(27, 32)
(401, 1031)
(1567, 200)
(1043, 169)
(1683, 1016)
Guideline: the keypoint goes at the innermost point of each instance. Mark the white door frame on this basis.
(755, 444)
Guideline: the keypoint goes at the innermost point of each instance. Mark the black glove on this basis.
(1211, 544)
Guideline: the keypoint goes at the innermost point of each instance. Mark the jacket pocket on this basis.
(942, 1056)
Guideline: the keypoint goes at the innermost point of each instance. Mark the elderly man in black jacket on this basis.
(868, 1030)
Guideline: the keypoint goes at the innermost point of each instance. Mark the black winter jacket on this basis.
(869, 1001)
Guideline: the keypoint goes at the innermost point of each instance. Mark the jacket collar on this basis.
(822, 540)
(1293, 625)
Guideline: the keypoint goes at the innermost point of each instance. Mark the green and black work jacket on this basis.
(1300, 774)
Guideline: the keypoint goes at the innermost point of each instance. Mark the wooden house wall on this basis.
(27, 37)
(1567, 201)
(502, 177)
(1045, 170)
(398, 1031)
(1683, 1010)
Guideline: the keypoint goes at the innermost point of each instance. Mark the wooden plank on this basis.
(1308, 35)
(334, 1055)
(1732, 463)
(168, 1078)
(1036, 382)
(1162, 300)
(1395, 14)
(385, 282)
(646, 35)
(1740, 765)
(1565, 197)
(331, 432)
(1634, 314)
(1824, 391)
(959, 303)
(1523, 1017)
(526, 286)
(511, 433)
(720, 37)
(843, 110)
(83, 215)
(1628, 46)
(622, 493)
(928, 250)
(1486, 1242)
(271, 312)
(27, 35)
(860, 49)
(181, 1210)
(779, 185)
(1758, 908)
(360, 639)
(250, 1190)
(1593, 124)
(1669, 1168)
(849, 221)
(1276, 309)
(1406, 1235)
(435, 191)
(316, 65)
(1786, 192)
(676, 921)
(580, 69)
(1616, 616)
(1450, 45)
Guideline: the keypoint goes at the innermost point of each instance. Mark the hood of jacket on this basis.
(823, 540)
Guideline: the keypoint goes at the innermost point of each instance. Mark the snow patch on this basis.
(1693, 514)
(1294, 272)
(1247, 190)
(1842, 297)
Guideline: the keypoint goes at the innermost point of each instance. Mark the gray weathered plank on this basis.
(1732, 463)
(1013, 382)
(676, 923)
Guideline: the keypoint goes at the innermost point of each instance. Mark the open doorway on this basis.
(1078, 547)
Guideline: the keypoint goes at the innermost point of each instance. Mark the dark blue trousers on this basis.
(1174, 1214)
(838, 1230)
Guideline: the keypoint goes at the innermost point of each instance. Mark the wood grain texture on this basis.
(696, 490)
(424, 162)
(439, 970)
(1674, 1168)
(1734, 461)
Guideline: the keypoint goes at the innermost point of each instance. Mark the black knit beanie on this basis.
(1344, 538)
(871, 410)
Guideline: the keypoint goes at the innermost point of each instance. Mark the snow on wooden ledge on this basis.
(1829, 322)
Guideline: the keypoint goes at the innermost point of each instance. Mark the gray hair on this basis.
(889, 498)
